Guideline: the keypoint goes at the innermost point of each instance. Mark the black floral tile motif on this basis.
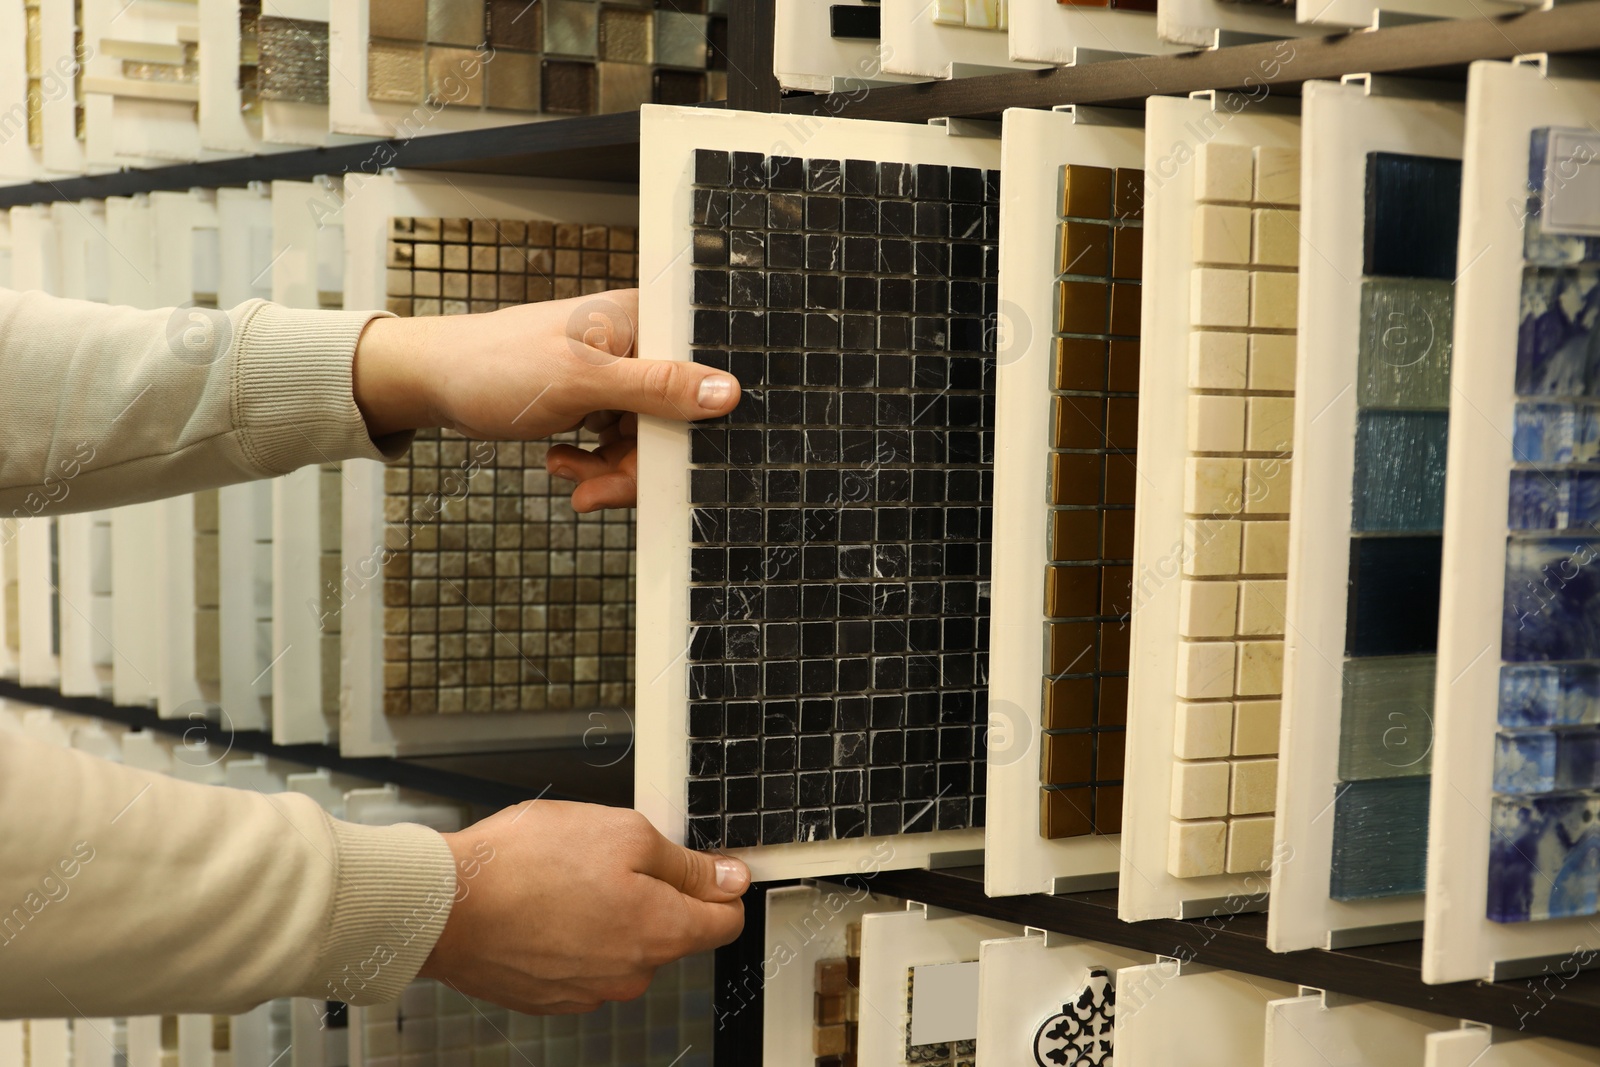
(1081, 1032)
(841, 514)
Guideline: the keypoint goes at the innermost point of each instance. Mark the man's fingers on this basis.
(701, 875)
(712, 925)
(613, 490)
(667, 388)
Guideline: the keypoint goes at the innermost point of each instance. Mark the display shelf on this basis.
(605, 147)
(1554, 1005)
(593, 773)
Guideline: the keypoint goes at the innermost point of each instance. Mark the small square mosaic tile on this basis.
(840, 516)
(1093, 393)
(499, 597)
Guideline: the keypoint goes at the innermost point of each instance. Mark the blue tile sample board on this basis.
(1544, 858)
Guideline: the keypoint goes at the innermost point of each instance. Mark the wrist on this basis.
(391, 387)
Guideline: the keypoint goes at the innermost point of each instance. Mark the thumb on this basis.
(668, 388)
(702, 875)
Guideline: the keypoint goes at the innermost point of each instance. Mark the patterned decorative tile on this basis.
(1081, 1033)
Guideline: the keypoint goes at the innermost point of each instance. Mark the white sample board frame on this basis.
(1342, 124)
(290, 122)
(1173, 1012)
(1174, 129)
(805, 923)
(1365, 14)
(1479, 1046)
(1023, 982)
(1505, 103)
(58, 54)
(37, 603)
(19, 159)
(1059, 34)
(891, 944)
(914, 44)
(364, 728)
(301, 213)
(1314, 1031)
(127, 121)
(1207, 24)
(244, 512)
(807, 57)
(668, 139)
(224, 125)
(1035, 145)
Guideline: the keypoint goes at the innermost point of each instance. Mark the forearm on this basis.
(124, 892)
(111, 405)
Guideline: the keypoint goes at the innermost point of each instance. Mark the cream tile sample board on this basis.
(1215, 454)
(1035, 147)
(1171, 1012)
(1343, 123)
(1310, 1031)
(365, 728)
(922, 40)
(1505, 104)
(1055, 33)
(1478, 1046)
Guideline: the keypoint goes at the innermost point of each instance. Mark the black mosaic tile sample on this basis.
(841, 515)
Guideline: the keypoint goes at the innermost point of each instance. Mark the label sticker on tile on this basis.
(945, 1007)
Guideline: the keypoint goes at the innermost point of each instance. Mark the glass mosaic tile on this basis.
(1393, 606)
(1093, 385)
(1082, 1032)
(1386, 717)
(840, 515)
(1549, 694)
(1406, 329)
(1546, 761)
(1399, 477)
(1380, 838)
(207, 595)
(1412, 216)
(561, 57)
(852, 22)
(500, 597)
(1558, 347)
(1558, 226)
(1544, 857)
(294, 60)
(1552, 600)
(1553, 499)
(1237, 459)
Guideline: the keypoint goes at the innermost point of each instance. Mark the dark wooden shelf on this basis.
(488, 780)
(1566, 1007)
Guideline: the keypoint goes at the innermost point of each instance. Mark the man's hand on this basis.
(560, 907)
(527, 372)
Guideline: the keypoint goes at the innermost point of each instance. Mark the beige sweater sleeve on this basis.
(123, 892)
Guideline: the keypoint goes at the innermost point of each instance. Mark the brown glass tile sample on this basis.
(561, 57)
(207, 594)
(1094, 409)
(499, 597)
(293, 60)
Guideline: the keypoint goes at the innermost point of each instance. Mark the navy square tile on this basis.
(749, 170)
(711, 167)
(743, 831)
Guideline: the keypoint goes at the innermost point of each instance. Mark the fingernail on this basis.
(732, 876)
(715, 391)
(564, 472)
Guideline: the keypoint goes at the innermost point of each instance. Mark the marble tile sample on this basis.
(1094, 430)
(1380, 838)
(294, 60)
(560, 57)
(838, 623)
(498, 596)
(1082, 1032)
(1237, 463)
(1412, 217)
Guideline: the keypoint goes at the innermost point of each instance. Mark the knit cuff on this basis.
(396, 885)
(293, 392)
